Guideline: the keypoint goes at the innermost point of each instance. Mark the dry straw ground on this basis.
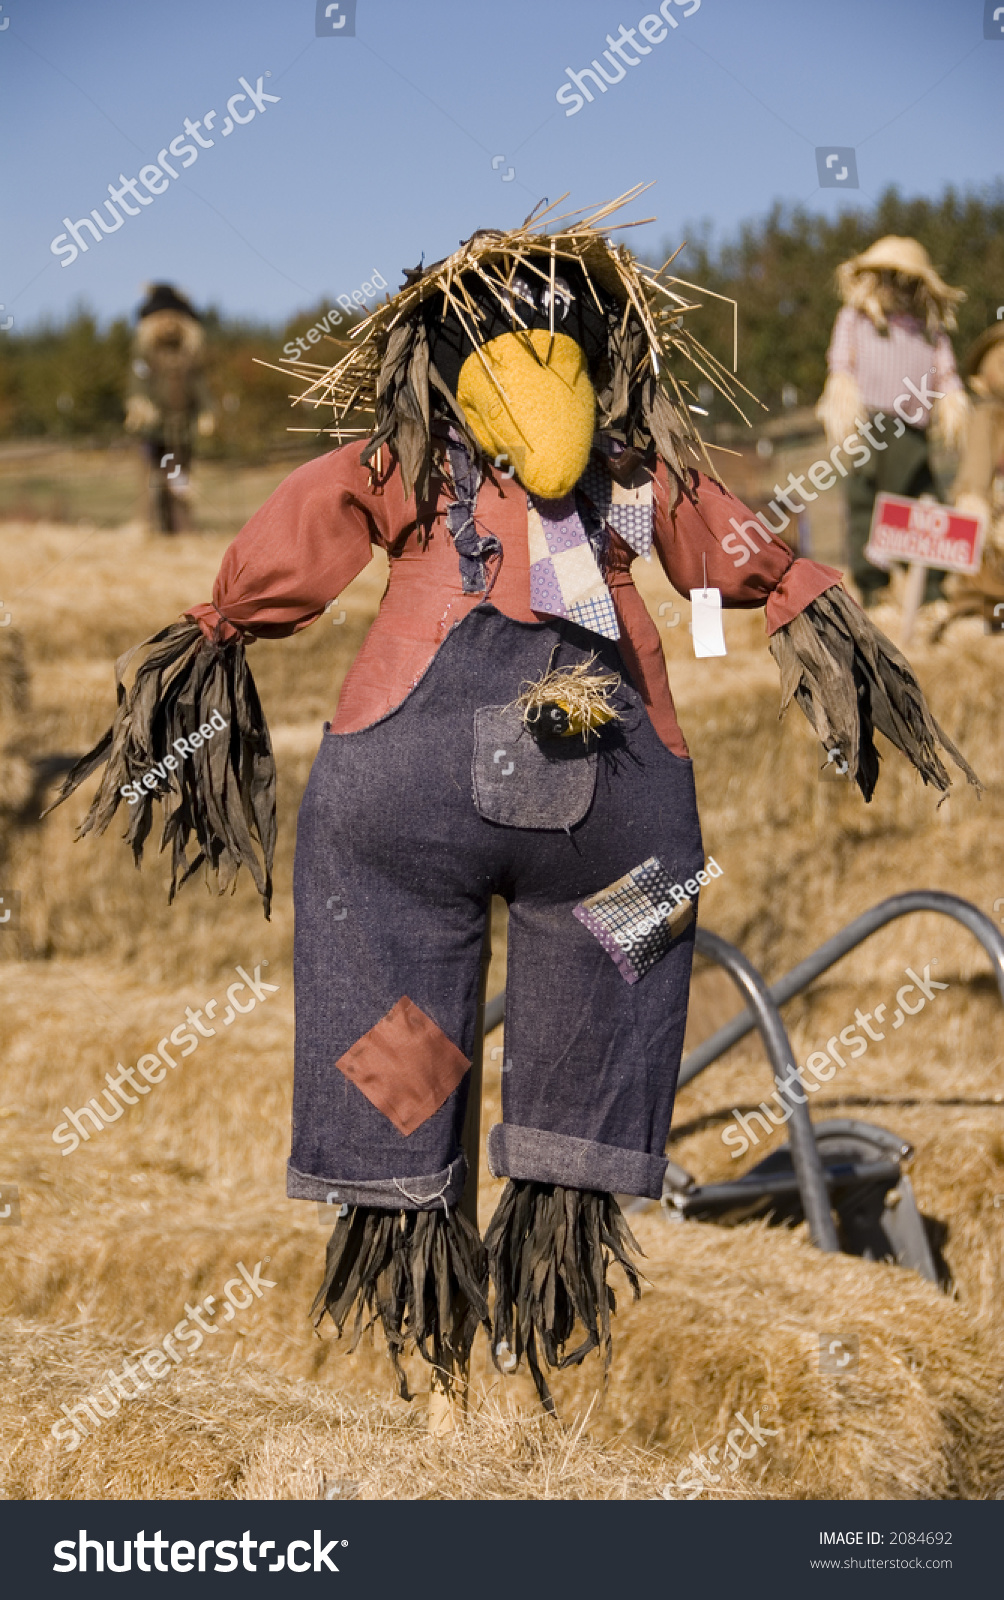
(160, 1207)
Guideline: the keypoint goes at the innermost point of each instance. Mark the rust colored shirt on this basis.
(314, 535)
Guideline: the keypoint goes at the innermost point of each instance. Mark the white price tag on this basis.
(706, 622)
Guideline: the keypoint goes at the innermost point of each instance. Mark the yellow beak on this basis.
(527, 397)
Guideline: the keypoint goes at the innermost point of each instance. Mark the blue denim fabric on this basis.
(524, 782)
(395, 869)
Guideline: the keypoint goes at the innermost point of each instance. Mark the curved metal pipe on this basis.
(805, 1156)
(898, 905)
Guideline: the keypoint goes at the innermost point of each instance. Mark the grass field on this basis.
(160, 1207)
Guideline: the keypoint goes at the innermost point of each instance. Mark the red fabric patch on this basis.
(405, 1066)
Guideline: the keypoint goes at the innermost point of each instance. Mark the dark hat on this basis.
(164, 297)
(986, 341)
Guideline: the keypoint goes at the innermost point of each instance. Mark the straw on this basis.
(644, 296)
(583, 693)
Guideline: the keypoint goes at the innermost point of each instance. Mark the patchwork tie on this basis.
(565, 576)
(627, 509)
(568, 540)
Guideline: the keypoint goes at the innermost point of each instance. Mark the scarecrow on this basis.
(507, 728)
(979, 484)
(168, 399)
(891, 378)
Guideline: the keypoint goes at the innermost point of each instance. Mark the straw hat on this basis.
(858, 279)
(642, 394)
(978, 349)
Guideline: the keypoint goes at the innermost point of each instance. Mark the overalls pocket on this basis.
(520, 782)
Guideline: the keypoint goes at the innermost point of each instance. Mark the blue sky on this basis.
(380, 147)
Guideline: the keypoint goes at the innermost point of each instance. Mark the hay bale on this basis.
(220, 1429)
(15, 685)
(732, 1322)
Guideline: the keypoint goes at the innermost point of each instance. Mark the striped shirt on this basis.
(881, 363)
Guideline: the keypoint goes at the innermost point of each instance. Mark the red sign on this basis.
(925, 533)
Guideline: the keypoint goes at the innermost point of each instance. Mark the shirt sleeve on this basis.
(841, 356)
(299, 551)
(979, 458)
(717, 541)
(946, 375)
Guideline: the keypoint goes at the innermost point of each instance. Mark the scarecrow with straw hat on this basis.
(892, 376)
(168, 400)
(507, 728)
(978, 489)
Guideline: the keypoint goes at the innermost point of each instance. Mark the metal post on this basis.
(913, 594)
(799, 978)
(805, 1156)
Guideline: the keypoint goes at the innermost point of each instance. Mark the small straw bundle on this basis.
(388, 370)
(583, 694)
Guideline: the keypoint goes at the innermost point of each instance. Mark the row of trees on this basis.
(70, 381)
(781, 272)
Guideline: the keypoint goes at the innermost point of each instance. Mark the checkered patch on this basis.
(637, 918)
(597, 614)
(628, 510)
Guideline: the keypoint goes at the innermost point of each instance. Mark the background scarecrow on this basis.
(889, 351)
(979, 483)
(506, 728)
(168, 399)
